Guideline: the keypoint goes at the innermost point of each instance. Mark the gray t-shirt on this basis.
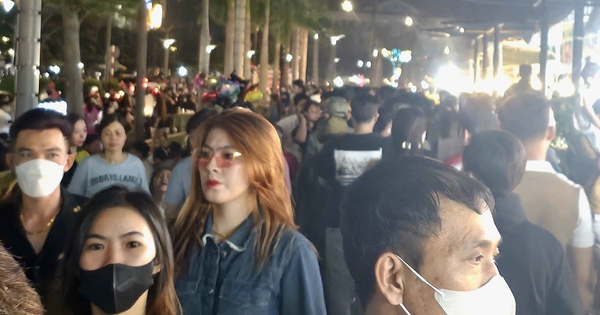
(94, 175)
(180, 183)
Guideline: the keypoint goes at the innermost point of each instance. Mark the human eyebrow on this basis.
(21, 150)
(96, 236)
(53, 149)
(132, 233)
(482, 244)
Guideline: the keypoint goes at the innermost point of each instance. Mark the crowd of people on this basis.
(345, 202)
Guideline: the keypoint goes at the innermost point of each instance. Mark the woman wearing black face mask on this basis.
(120, 259)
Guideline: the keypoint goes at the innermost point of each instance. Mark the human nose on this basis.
(114, 256)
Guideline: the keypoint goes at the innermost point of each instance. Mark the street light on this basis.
(447, 50)
(409, 21)
(168, 42)
(155, 16)
(375, 53)
(336, 60)
(289, 58)
(369, 64)
(461, 30)
(317, 36)
(182, 71)
(347, 6)
(335, 39)
(8, 5)
(210, 48)
(360, 63)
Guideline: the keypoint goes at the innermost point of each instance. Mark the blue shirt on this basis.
(94, 175)
(179, 183)
(222, 279)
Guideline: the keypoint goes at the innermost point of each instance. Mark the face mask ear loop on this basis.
(421, 278)
(404, 309)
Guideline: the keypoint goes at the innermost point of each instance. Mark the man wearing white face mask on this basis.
(37, 215)
(419, 239)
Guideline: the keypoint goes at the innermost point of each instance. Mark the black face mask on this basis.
(115, 288)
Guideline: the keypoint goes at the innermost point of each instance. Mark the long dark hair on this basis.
(408, 127)
(162, 299)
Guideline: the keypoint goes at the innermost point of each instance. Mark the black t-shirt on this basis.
(39, 268)
(533, 263)
(342, 160)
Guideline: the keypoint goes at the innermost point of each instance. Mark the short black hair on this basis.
(395, 206)
(112, 118)
(91, 139)
(498, 159)
(39, 119)
(477, 119)
(198, 118)
(306, 106)
(525, 71)
(526, 116)
(74, 118)
(299, 83)
(142, 147)
(364, 107)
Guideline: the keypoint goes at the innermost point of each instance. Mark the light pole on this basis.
(28, 48)
(332, 64)
(167, 43)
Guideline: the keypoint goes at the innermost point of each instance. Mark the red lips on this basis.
(211, 183)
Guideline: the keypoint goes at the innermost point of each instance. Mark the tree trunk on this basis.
(264, 52)
(72, 58)
(229, 37)
(285, 75)
(296, 55)
(304, 53)
(248, 44)
(240, 34)
(276, 66)
(315, 60)
(142, 68)
(204, 56)
(108, 68)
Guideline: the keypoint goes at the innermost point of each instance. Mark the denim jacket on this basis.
(222, 279)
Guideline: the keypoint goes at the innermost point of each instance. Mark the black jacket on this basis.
(533, 263)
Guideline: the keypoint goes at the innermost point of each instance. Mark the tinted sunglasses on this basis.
(224, 158)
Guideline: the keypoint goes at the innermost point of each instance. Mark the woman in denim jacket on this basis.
(236, 245)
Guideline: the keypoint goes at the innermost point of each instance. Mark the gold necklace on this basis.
(222, 236)
(40, 231)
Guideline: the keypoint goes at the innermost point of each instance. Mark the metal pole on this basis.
(486, 57)
(545, 29)
(578, 34)
(496, 60)
(28, 55)
(142, 56)
(332, 65)
(315, 66)
(475, 60)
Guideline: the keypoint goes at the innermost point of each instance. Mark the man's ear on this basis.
(10, 160)
(70, 161)
(389, 278)
(551, 133)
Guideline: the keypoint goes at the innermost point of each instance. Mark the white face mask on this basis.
(494, 298)
(39, 178)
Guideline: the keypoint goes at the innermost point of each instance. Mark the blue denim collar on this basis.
(240, 238)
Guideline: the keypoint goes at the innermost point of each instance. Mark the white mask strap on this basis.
(404, 309)
(421, 277)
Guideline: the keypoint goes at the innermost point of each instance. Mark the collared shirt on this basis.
(533, 263)
(222, 279)
(582, 235)
(39, 268)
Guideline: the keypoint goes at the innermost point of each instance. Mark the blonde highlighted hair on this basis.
(258, 142)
